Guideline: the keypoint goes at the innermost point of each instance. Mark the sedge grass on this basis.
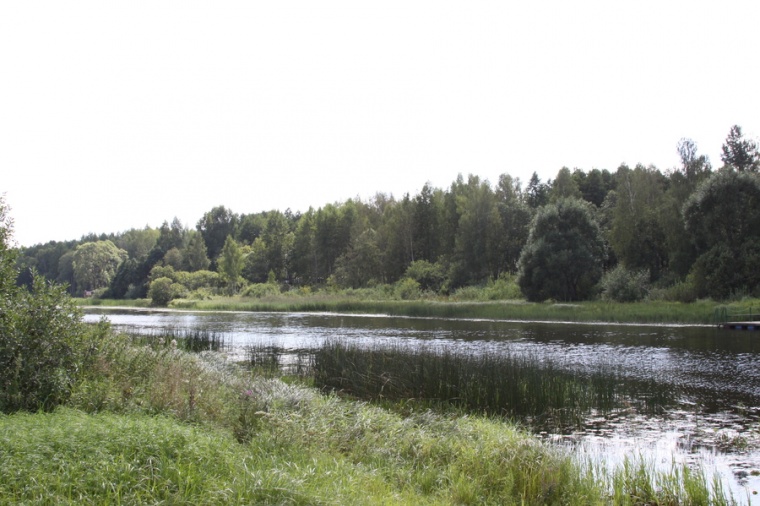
(529, 388)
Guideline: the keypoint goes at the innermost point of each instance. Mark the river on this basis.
(712, 376)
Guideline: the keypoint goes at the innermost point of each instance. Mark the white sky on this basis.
(116, 115)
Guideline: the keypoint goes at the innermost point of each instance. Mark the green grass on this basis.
(152, 424)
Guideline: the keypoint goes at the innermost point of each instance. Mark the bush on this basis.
(503, 288)
(199, 279)
(261, 290)
(44, 347)
(623, 285)
(163, 290)
(681, 291)
(407, 289)
(429, 276)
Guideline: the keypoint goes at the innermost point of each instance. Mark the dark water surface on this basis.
(709, 416)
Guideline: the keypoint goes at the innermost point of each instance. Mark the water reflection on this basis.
(706, 381)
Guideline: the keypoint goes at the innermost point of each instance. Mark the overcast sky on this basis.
(117, 115)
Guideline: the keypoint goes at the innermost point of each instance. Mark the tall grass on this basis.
(189, 339)
(155, 424)
(529, 388)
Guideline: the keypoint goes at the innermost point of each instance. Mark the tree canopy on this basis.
(563, 257)
(681, 225)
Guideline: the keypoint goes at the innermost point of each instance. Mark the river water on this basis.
(706, 380)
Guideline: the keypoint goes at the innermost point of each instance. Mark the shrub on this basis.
(429, 276)
(199, 279)
(260, 290)
(163, 290)
(623, 285)
(44, 347)
(407, 289)
(681, 291)
(503, 288)
(163, 271)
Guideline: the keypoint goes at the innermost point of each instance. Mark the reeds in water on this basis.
(189, 339)
(529, 388)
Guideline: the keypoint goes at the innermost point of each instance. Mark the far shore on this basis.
(703, 312)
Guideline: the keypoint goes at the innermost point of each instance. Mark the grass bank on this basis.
(699, 312)
(152, 423)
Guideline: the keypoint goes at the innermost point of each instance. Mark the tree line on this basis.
(688, 232)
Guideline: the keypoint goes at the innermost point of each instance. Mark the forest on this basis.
(635, 233)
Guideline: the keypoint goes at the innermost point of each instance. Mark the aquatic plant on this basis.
(526, 387)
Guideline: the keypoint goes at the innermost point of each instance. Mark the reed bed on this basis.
(189, 339)
(653, 312)
(529, 388)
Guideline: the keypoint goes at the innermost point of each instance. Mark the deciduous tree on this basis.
(95, 264)
(231, 264)
(723, 218)
(563, 257)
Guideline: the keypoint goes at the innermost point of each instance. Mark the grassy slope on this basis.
(159, 425)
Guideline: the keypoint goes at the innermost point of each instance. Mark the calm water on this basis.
(712, 376)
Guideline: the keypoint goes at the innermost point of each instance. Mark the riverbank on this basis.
(155, 423)
(702, 312)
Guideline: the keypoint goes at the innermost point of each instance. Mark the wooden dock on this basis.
(742, 325)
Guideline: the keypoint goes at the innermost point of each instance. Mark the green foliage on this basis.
(231, 264)
(215, 226)
(723, 218)
(43, 349)
(199, 279)
(137, 243)
(565, 186)
(126, 276)
(162, 271)
(173, 258)
(407, 289)
(623, 285)
(725, 209)
(261, 290)
(505, 287)
(636, 234)
(682, 291)
(196, 257)
(361, 263)
(563, 257)
(171, 236)
(95, 264)
(722, 272)
(44, 345)
(164, 290)
(429, 276)
(740, 153)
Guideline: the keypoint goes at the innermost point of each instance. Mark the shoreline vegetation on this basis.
(701, 312)
(150, 421)
(92, 416)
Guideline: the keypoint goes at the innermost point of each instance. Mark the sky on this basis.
(118, 115)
